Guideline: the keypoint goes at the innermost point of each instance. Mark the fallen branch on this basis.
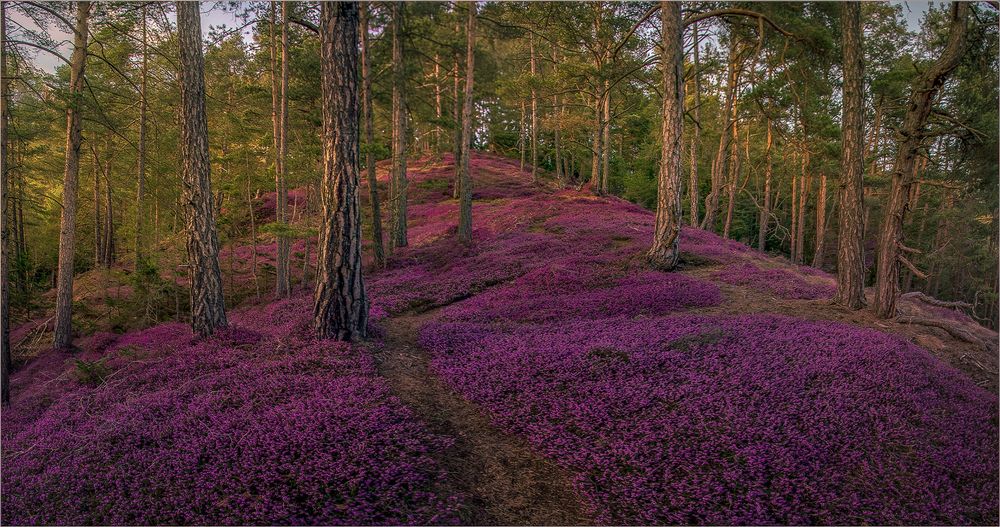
(917, 295)
(951, 328)
(913, 269)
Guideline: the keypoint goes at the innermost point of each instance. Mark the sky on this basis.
(212, 16)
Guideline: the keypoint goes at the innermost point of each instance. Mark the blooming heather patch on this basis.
(262, 426)
(737, 420)
(778, 282)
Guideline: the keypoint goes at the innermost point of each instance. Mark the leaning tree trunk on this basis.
(208, 308)
(665, 252)
(850, 228)
(721, 163)
(341, 305)
(366, 104)
(465, 196)
(71, 172)
(912, 134)
(397, 181)
(696, 138)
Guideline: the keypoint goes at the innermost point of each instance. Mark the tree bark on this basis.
(733, 176)
(140, 193)
(606, 137)
(912, 134)
(437, 103)
(341, 305)
(456, 113)
(820, 224)
(800, 241)
(850, 221)
(98, 217)
(794, 235)
(282, 286)
(208, 308)
(71, 172)
(595, 171)
(534, 113)
(522, 135)
(665, 252)
(465, 197)
(765, 212)
(693, 197)
(108, 258)
(398, 182)
(721, 164)
(366, 105)
(557, 117)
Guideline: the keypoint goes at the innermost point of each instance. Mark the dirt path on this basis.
(502, 480)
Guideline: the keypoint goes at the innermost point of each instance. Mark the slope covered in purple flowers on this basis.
(662, 404)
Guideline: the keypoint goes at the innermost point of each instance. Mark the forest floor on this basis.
(542, 375)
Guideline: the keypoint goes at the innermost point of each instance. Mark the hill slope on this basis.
(541, 375)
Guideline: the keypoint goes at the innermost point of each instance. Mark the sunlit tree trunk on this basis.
(733, 177)
(665, 252)
(465, 196)
(850, 222)
(800, 238)
(534, 112)
(606, 137)
(341, 305)
(366, 105)
(208, 309)
(557, 117)
(696, 136)
(721, 164)
(522, 133)
(282, 275)
(71, 172)
(820, 224)
(437, 103)
(398, 182)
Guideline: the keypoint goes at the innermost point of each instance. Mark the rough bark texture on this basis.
(820, 224)
(850, 220)
(765, 211)
(800, 236)
(557, 117)
(341, 305)
(465, 194)
(397, 181)
(696, 137)
(366, 103)
(665, 251)
(71, 172)
(208, 309)
(595, 171)
(911, 138)
(606, 137)
(733, 176)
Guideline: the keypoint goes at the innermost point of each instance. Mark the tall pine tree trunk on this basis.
(850, 221)
(282, 286)
(341, 305)
(465, 197)
(606, 137)
(71, 172)
(398, 182)
(557, 117)
(208, 308)
(891, 248)
(720, 165)
(820, 224)
(522, 134)
(534, 112)
(140, 193)
(765, 211)
(366, 105)
(693, 197)
(665, 252)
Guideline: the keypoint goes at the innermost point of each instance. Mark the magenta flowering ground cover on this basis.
(251, 426)
(778, 282)
(737, 420)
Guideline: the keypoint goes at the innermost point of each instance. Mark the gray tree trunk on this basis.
(465, 195)
(71, 172)
(366, 104)
(398, 182)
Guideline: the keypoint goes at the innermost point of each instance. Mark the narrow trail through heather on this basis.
(501, 479)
